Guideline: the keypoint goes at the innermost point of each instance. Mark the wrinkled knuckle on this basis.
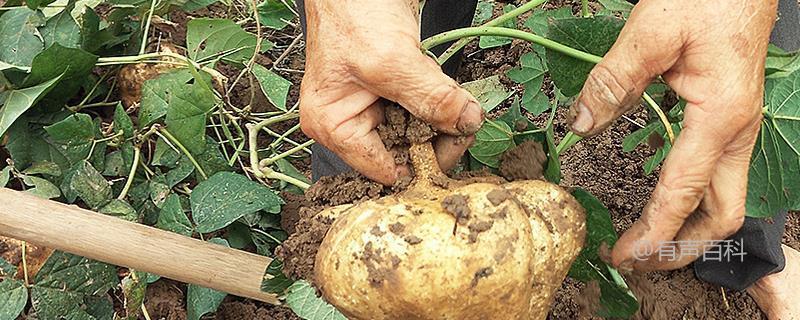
(609, 87)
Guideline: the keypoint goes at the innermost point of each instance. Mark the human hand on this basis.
(712, 54)
(359, 51)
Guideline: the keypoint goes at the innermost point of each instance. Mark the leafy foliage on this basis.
(303, 300)
(226, 197)
(593, 35)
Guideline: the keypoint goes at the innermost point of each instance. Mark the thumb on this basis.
(416, 82)
(641, 53)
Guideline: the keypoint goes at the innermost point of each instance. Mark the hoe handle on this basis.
(119, 242)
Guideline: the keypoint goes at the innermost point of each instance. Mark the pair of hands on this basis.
(711, 53)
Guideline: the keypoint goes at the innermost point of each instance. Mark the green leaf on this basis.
(616, 300)
(5, 175)
(286, 167)
(212, 38)
(41, 188)
(781, 63)
(66, 283)
(181, 172)
(73, 136)
(212, 160)
(61, 29)
(123, 122)
(134, 288)
(226, 197)
(774, 178)
(302, 298)
(44, 168)
(159, 191)
(487, 42)
(494, 138)
(617, 6)
(20, 100)
(513, 117)
(483, 12)
(490, 92)
(275, 87)
(90, 185)
(537, 22)
(201, 301)
(186, 115)
(192, 5)
(274, 14)
(13, 298)
(638, 137)
(120, 209)
(7, 270)
(553, 170)
(158, 92)
(593, 35)
(172, 217)
(34, 4)
(19, 36)
(538, 103)
(274, 279)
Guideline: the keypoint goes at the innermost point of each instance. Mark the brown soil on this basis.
(523, 162)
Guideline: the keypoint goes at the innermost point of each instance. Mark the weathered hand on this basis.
(359, 51)
(712, 54)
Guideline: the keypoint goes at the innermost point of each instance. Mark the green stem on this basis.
(184, 150)
(569, 140)
(510, 33)
(458, 45)
(107, 61)
(272, 174)
(661, 116)
(143, 47)
(285, 154)
(585, 9)
(547, 43)
(128, 183)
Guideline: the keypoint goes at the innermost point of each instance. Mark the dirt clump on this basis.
(165, 300)
(239, 310)
(523, 162)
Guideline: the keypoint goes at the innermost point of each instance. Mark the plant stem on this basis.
(184, 150)
(143, 47)
(25, 263)
(455, 47)
(547, 43)
(285, 154)
(661, 116)
(265, 171)
(510, 33)
(128, 183)
(107, 61)
(569, 140)
(585, 9)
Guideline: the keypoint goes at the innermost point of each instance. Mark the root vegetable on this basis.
(445, 249)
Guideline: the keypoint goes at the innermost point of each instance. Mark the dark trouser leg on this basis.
(760, 238)
(437, 16)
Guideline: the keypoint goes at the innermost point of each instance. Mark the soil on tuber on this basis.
(440, 248)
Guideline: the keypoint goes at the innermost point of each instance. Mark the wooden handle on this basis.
(136, 246)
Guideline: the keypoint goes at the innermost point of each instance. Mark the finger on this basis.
(722, 211)
(643, 51)
(357, 142)
(449, 149)
(684, 178)
(417, 83)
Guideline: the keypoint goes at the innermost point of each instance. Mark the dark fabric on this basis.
(760, 241)
(437, 16)
(761, 238)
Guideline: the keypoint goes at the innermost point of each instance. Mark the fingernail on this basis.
(582, 118)
(471, 119)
